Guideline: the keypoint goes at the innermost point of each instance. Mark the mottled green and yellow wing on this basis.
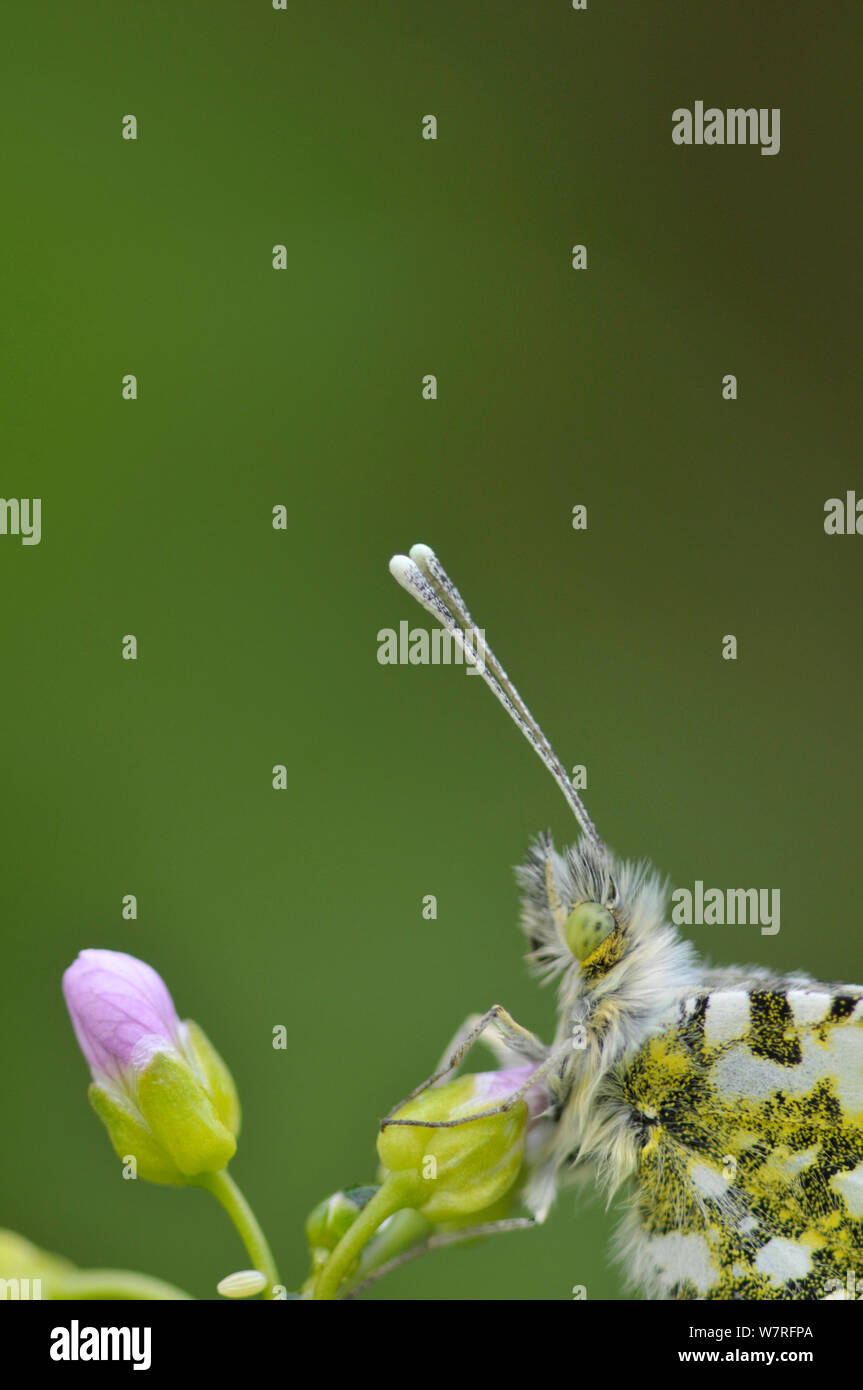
(748, 1116)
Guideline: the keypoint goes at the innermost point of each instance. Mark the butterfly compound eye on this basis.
(587, 927)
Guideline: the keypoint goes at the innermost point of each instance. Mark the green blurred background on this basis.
(258, 647)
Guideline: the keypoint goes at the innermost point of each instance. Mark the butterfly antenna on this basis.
(423, 575)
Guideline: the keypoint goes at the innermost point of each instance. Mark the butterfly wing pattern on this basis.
(748, 1109)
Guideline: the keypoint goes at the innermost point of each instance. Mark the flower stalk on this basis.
(227, 1193)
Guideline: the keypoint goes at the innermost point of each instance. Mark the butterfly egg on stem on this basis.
(245, 1283)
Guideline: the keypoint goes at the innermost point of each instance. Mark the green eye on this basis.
(587, 927)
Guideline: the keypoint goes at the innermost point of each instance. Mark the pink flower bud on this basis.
(121, 1011)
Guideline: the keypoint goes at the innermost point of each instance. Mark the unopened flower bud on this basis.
(329, 1220)
(432, 1176)
(465, 1168)
(160, 1088)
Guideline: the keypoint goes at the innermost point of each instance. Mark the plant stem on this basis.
(225, 1190)
(405, 1229)
(115, 1284)
(392, 1197)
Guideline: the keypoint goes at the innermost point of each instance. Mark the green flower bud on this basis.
(329, 1220)
(461, 1170)
(432, 1176)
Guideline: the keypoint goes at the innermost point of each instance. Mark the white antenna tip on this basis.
(421, 554)
(404, 570)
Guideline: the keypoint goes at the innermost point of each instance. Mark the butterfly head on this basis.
(586, 914)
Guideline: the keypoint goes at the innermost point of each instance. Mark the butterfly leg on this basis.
(508, 1039)
(551, 1060)
(511, 1035)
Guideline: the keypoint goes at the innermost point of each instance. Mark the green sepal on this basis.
(217, 1079)
(130, 1135)
(182, 1117)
